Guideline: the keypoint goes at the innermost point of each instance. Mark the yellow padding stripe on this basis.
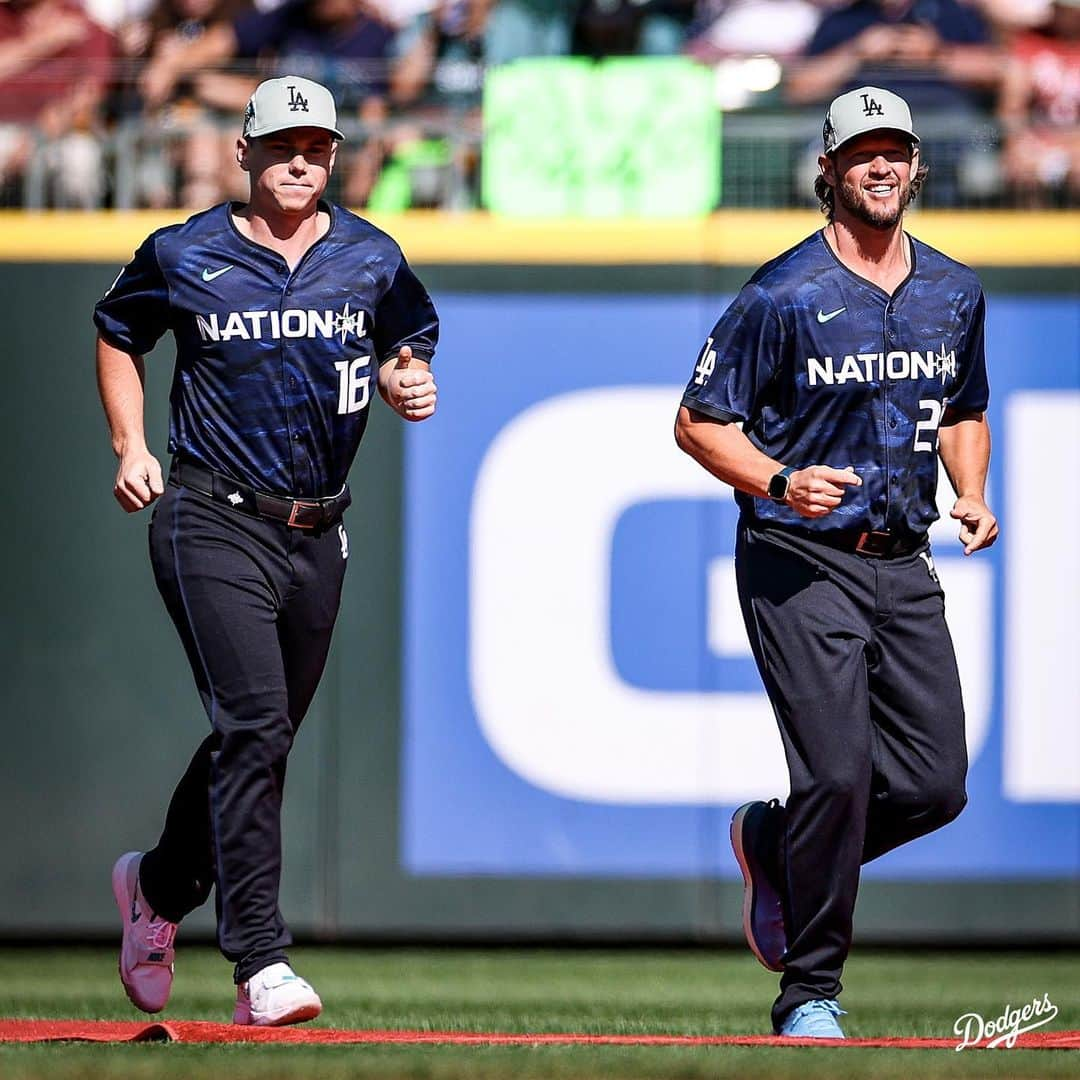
(729, 237)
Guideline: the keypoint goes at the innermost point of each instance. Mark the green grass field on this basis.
(693, 993)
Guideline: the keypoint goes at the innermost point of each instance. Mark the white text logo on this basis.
(877, 367)
(291, 323)
(1004, 1030)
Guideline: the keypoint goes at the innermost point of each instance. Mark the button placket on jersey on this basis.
(294, 436)
(887, 340)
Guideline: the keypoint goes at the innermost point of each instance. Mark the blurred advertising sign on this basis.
(578, 686)
(622, 138)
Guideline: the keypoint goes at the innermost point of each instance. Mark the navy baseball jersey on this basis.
(274, 368)
(823, 367)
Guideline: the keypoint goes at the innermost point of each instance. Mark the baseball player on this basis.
(287, 312)
(825, 395)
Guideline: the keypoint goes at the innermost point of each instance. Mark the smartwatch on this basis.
(778, 484)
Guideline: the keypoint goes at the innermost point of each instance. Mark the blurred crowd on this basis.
(75, 74)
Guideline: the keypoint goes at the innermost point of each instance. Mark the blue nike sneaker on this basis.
(814, 1020)
(756, 829)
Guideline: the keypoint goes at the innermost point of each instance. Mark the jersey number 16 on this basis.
(353, 392)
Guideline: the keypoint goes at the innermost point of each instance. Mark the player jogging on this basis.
(825, 395)
(287, 311)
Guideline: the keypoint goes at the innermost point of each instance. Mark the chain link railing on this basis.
(427, 154)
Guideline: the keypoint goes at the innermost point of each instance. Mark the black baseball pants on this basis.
(859, 666)
(254, 602)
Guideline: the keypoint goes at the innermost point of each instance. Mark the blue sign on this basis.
(579, 696)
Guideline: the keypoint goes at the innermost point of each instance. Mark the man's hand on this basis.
(916, 45)
(978, 526)
(157, 82)
(138, 480)
(410, 392)
(875, 43)
(51, 29)
(818, 490)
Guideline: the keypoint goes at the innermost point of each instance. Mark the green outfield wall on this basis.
(98, 708)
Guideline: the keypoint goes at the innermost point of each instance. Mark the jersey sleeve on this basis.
(738, 359)
(971, 392)
(405, 316)
(134, 313)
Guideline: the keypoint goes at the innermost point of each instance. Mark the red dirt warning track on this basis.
(194, 1031)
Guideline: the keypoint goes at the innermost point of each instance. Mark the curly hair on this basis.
(826, 197)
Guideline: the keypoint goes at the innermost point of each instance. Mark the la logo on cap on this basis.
(870, 107)
(297, 101)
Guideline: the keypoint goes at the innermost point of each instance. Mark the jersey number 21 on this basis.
(928, 425)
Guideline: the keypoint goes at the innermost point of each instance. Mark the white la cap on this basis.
(290, 102)
(867, 109)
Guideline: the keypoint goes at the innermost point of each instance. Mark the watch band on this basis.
(778, 484)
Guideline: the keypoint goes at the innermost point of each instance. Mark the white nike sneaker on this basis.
(146, 952)
(275, 996)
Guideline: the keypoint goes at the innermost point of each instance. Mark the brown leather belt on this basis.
(875, 545)
(297, 513)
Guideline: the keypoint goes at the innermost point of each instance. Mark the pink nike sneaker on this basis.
(763, 911)
(146, 952)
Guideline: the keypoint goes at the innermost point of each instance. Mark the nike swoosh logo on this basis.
(209, 275)
(821, 316)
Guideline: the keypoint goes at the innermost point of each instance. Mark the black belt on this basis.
(299, 513)
(876, 545)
